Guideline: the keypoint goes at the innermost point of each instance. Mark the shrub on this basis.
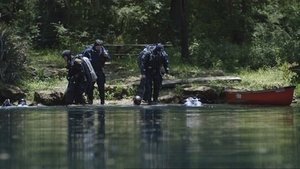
(13, 53)
(68, 39)
(219, 54)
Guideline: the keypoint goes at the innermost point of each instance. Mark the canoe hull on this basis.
(281, 96)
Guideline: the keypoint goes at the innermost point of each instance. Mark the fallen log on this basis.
(173, 83)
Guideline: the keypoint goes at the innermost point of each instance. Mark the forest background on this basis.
(229, 35)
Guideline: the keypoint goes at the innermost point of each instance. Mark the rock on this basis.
(173, 82)
(49, 98)
(119, 91)
(51, 73)
(11, 92)
(170, 98)
(206, 94)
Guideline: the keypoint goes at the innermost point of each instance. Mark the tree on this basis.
(179, 15)
(13, 53)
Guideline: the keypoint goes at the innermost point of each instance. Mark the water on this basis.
(173, 137)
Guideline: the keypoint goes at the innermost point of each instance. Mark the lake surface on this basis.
(144, 137)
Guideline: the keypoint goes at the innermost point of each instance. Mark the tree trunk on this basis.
(179, 16)
(184, 31)
(67, 12)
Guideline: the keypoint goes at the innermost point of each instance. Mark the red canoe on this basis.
(281, 96)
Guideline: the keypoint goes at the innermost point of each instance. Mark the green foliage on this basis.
(41, 58)
(271, 39)
(227, 35)
(127, 62)
(25, 24)
(219, 55)
(238, 34)
(290, 23)
(46, 65)
(143, 22)
(288, 75)
(32, 85)
(268, 77)
(70, 40)
(13, 55)
(297, 91)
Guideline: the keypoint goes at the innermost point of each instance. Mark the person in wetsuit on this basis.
(98, 55)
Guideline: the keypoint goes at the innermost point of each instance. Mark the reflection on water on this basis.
(152, 144)
(85, 139)
(216, 136)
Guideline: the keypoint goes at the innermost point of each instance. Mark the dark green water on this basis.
(163, 137)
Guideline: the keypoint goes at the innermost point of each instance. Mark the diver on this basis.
(7, 103)
(22, 103)
(98, 55)
(154, 64)
(77, 80)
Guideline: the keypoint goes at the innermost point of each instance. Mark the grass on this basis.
(264, 79)
(123, 69)
(269, 77)
(297, 90)
(42, 58)
(46, 85)
(38, 61)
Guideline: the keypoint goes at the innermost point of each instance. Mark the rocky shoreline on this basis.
(121, 94)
